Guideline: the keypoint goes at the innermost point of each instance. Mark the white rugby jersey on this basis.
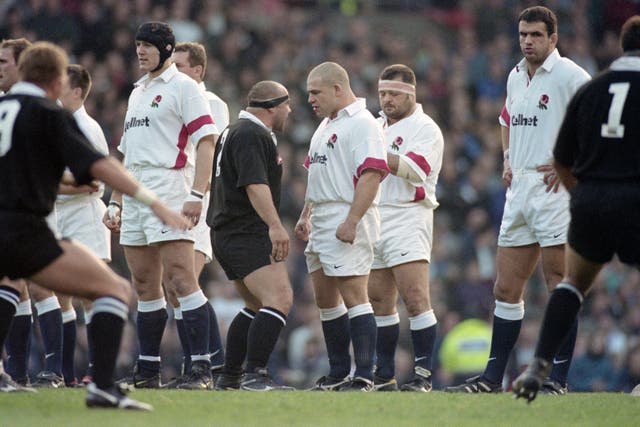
(219, 108)
(418, 140)
(535, 108)
(341, 149)
(92, 130)
(162, 115)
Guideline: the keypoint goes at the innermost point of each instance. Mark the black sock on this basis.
(9, 298)
(150, 326)
(237, 341)
(504, 337)
(215, 342)
(17, 346)
(262, 337)
(196, 323)
(69, 350)
(363, 337)
(109, 315)
(559, 317)
(386, 343)
(562, 359)
(424, 341)
(186, 349)
(51, 331)
(337, 339)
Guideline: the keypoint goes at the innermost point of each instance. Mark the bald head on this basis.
(330, 73)
(329, 89)
(266, 90)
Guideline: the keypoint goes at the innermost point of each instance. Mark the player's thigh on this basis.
(39, 293)
(178, 261)
(79, 272)
(553, 264)
(270, 284)
(514, 266)
(412, 280)
(580, 271)
(325, 289)
(353, 289)
(382, 291)
(146, 271)
(249, 299)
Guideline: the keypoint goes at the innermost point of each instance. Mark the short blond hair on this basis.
(42, 63)
(197, 54)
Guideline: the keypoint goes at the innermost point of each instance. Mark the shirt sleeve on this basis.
(196, 114)
(369, 151)
(566, 146)
(425, 154)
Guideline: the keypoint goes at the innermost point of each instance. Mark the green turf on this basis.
(184, 408)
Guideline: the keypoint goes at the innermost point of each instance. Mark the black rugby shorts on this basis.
(240, 254)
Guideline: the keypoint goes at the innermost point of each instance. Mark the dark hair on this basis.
(540, 14)
(392, 71)
(197, 54)
(79, 77)
(16, 45)
(630, 34)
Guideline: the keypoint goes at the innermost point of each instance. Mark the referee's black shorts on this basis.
(605, 220)
(27, 245)
(241, 253)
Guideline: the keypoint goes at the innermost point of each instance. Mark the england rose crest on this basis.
(395, 145)
(544, 100)
(332, 141)
(156, 101)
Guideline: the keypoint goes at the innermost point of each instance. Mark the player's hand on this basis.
(346, 231)
(111, 218)
(279, 242)
(550, 178)
(192, 210)
(507, 175)
(302, 229)
(169, 217)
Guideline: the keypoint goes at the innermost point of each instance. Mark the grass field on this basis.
(184, 408)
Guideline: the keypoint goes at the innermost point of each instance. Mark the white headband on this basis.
(396, 86)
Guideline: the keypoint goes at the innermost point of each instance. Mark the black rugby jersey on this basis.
(246, 154)
(38, 139)
(600, 136)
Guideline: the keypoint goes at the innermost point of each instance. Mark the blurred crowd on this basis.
(462, 52)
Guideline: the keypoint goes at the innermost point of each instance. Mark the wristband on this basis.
(145, 196)
(197, 194)
(193, 198)
(115, 203)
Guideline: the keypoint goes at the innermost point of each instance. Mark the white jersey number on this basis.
(221, 141)
(8, 112)
(613, 128)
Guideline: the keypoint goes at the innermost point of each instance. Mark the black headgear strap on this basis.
(269, 103)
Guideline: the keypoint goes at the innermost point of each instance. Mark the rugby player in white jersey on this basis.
(536, 213)
(401, 256)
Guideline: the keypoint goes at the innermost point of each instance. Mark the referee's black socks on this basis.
(262, 337)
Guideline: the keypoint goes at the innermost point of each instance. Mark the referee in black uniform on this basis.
(37, 140)
(248, 238)
(597, 157)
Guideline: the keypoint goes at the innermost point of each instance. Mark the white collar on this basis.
(166, 75)
(626, 63)
(247, 115)
(27, 88)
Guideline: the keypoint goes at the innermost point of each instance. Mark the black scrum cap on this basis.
(161, 36)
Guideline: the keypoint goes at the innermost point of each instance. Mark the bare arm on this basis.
(507, 175)
(366, 191)
(192, 207)
(261, 200)
(303, 226)
(565, 175)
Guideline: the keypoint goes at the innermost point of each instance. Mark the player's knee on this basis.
(509, 293)
(417, 306)
(282, 299)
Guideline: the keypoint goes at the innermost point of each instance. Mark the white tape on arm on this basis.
(405, 171)
(145, 196)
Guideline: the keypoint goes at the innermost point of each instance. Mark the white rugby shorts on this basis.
(406, 234)
(337, 258)
(202, 232)
(531, 215)
(80, 219)
(52, 222)
(139, 225)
